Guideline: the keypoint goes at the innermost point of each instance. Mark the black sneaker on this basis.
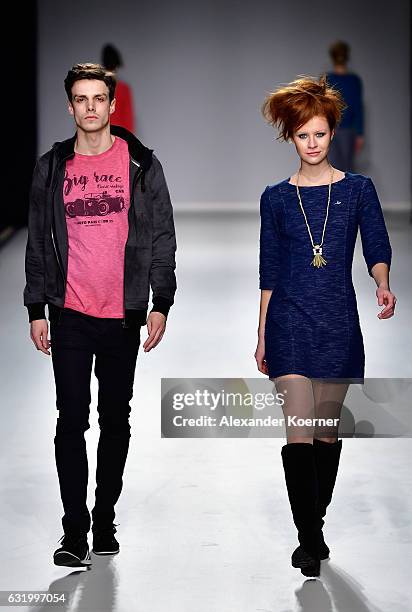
(104, 542)
(300, 555)
(74, 551)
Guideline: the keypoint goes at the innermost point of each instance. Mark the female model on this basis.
(310, 342)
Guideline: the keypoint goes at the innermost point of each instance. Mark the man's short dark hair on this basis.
(89, 71)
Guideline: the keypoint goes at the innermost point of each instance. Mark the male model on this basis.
(100, 234)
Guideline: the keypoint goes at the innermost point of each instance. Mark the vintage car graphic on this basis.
(94, 205)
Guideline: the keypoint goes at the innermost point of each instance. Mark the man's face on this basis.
(90, 105)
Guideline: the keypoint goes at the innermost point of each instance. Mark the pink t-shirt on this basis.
(96, 200)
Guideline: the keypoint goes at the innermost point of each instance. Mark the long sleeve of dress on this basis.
(375, 240)
(269, 257)
(358, 108)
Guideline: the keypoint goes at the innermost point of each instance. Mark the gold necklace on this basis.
(318, 261)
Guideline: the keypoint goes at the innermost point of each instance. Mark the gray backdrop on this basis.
(200, 71)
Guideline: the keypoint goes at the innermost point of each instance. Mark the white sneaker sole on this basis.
(70, 560)
(105, 552)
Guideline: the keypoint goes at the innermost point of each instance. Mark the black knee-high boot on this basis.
(327, 457)
(302, 486)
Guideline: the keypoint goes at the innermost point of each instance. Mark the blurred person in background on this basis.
(123, 114)
(349, 135)
(100, 235)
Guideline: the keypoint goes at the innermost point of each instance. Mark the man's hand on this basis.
(38, 333)
(156, 325)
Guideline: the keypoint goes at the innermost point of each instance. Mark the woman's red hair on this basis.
(292, 105)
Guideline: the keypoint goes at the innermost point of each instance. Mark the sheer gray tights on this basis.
(307, 398)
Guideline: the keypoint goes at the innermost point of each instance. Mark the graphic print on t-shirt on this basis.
(107, 196)
(96, 203)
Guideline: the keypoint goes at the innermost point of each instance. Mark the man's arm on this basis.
(34, 295)
(162, 274)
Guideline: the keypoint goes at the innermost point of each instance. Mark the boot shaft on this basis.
(327, 456)
(302, 487)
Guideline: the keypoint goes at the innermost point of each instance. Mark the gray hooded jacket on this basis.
(149, 259)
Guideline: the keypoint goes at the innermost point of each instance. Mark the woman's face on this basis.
(312, 140)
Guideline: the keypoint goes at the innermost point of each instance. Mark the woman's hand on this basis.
(260, 357)
(387, 298)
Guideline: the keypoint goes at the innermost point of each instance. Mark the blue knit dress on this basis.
(312, 323)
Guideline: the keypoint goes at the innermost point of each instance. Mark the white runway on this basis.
(205, 524)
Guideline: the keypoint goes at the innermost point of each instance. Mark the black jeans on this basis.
(75, 338)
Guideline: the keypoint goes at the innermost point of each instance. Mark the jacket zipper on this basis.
(135, 179)
(55, 251)
(52, 223)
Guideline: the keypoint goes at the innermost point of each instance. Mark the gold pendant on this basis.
(318, 261)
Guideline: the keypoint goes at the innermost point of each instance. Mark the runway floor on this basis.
(204, 524)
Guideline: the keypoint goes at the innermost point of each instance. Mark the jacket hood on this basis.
(140, 154)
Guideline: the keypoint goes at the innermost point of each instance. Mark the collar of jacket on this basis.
(139, 153)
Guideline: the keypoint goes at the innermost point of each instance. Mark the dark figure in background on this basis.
(349, 138)
(123, 114)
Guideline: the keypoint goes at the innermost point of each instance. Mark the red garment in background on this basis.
(123, 115)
